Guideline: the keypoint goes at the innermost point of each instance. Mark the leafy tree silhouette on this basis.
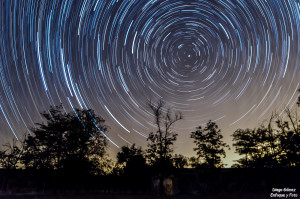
(85, 142)
(70, 141)
(131, 158)
(180, 161)
(209, 146)
(269, 147)
(134, 165)
(10, 154)
(259, 146)
(45, 148)
(193, 162)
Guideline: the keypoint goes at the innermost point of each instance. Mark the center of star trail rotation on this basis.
(230, 61)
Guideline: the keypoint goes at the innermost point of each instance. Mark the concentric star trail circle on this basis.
(230, 61)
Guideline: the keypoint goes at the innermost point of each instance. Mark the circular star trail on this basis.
(230, 61)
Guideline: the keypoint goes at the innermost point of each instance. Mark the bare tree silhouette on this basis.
(160, 146)
(289, 138)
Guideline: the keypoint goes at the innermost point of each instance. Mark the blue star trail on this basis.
(231, 61)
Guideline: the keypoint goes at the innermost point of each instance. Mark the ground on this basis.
(132, 196)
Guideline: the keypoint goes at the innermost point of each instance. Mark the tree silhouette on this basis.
(160, 143)
(289, 137)
(70, 141)
(209, 145)
(45, 148)
(179, 161)
(259, 146)
(298, 101)
(193, 162)
(160, 146)
(131, 158)
(10, 154)
(128, 153)
(134, 166)
(244, 145)
(269, 147)
(85, 143)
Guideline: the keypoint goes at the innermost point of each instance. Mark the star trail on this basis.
(234, 62)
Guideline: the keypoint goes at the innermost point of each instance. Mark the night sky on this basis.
(234, 62)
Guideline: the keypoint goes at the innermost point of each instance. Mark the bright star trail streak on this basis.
(235, 62)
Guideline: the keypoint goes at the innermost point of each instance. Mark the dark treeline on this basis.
(69, 149)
